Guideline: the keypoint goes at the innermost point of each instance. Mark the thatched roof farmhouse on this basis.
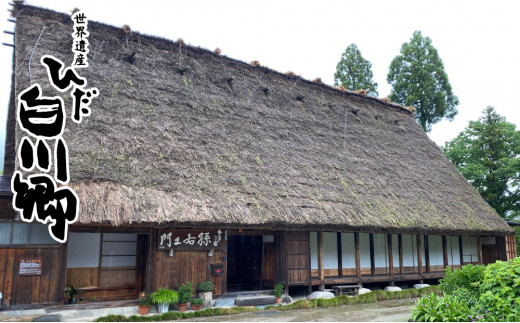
(183, 137)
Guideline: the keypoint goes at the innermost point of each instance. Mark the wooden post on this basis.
(358, 261)
(460, 251)
(400, 243)
(427, 253)
(445, 251)
(390, 255)
(479, 250)
(419, 257)
(62, 270)
(321, 272)
(372, 260)
(340, 256)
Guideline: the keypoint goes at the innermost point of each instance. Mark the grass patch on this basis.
(372, 297)
(174, 316)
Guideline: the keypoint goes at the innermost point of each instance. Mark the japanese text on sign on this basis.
(191, 239)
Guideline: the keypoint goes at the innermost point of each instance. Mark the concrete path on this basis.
(387, 311)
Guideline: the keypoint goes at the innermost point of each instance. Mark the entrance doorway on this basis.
(250, 262)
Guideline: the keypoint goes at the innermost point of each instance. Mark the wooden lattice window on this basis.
(510, 246)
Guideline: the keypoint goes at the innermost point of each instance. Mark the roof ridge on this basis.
(361, 93)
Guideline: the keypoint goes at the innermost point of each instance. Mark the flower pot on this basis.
(72, 300)
(143, 309)
(207, 297)
(278, 300)
(182, 307)
(196, 307)
(163, 307)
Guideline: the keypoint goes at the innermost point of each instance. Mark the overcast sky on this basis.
(478, 41)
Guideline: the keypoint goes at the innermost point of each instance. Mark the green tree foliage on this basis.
(418, 79)
(355, 72)
(487, 153)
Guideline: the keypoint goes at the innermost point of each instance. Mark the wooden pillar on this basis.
(358, 261)
(390, 255)
(151, 281)
(321, 272)
(427, 253)
(340, 256)
(62, 270)
(445, 251)
(479, 250)
(419, 256)
(460, 251)
(400, 243)
(372, 260)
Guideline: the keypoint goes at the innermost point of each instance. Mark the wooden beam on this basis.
(427, 252)
(400, 243)
(460, 251)
(321, 272)
(340, 256)
(358, 261)
(445, 251)
(479, 250)
(372, 260)
(419, 256)
(390, 255)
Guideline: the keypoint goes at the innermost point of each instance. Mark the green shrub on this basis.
(469, 276)
(500, 290)
(205, 286)
(196, 301)
(278, 290)
(164, 295)
(185, 293)
(435, 308)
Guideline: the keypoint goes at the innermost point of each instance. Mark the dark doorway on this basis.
(249, 262)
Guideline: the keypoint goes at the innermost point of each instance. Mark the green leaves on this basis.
(418, 79)
(487, 153)
(355, 72)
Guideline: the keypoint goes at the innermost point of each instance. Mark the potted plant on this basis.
(205, 290)
(163, 297)
(144, 303)
(74, 290)
(196, 303)
(185, 293)
(278, 292)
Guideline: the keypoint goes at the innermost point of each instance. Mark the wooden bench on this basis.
(352, 290)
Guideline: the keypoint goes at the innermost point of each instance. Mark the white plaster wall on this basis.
(314, 250)
(380, 251)
(330, 250)
(409, 250)
(364, 250)
(453, 250)
(395, 249)
(348, 250)
(435, 249)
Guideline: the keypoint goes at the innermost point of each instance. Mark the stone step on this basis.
(255, 300)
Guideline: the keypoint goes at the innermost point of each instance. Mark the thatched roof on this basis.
(184, 136)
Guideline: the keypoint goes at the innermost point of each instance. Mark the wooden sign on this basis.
(190, 239)
(30, 267)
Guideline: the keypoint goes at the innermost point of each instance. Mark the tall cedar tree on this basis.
(418, 79)
(487, 153)
(355, 72)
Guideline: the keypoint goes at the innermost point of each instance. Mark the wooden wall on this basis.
(193, 266)
(298, 257)
(42, 289)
